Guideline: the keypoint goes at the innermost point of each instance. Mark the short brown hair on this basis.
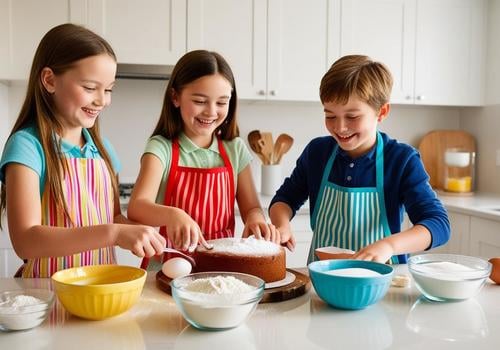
(360, 76)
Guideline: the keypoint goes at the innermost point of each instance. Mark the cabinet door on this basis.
(385, 31)
(450, 49)
(22, 24)
(302, 41)
(142, 33)
(484, 237)
(236, 30)
(303, 236)
(459, 242)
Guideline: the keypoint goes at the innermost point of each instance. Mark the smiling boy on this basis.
(359, 181)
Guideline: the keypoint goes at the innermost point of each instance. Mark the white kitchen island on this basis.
(402, 320)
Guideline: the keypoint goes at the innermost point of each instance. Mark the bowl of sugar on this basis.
(350, 284)
(24, 308)
(217, 300)
(448, 277)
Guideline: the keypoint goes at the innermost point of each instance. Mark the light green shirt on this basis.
(191, 155)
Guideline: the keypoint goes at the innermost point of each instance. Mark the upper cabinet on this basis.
(278, 49)
(435, 49)
(22, 25)
(152, 32)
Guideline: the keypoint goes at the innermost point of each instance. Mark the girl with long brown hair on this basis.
(195, 166)
(59, 178)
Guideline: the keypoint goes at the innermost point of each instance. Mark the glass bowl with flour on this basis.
(448, 277)
(217, 300)
(24, 308)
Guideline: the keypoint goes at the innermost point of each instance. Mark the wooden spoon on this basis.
(257, 144)
(283, 144)
(267, 150)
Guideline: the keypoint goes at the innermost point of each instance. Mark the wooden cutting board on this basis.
(295, 289)
(432, 148)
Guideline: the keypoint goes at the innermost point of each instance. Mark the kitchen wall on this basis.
(130, 119)
(4, 113)
(484, 122)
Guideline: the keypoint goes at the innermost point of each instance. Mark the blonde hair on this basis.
(58, 50)
(360, 76)
(194, 65)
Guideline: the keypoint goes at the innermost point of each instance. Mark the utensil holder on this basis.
(270, 179)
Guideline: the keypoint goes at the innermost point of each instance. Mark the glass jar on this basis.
(459, 165)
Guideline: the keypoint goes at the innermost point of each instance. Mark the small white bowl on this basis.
(448, 277)
(15, 318)
(216, 311)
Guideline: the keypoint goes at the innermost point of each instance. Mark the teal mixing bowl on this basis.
(350, 292)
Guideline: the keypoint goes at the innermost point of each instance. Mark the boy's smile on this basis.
(354, 124)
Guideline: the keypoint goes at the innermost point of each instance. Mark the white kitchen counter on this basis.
(479, 204)
(402, 320)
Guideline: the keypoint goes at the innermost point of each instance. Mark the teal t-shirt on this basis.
(24, 147)
(191, 155)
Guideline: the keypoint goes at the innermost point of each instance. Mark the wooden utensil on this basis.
(257, 144)
(267, 150)
(281, 146)
(432, 148)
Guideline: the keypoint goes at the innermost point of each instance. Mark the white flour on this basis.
(244, 246)
(448, 280)
(22, 312)
(354, 272)
(217, 302)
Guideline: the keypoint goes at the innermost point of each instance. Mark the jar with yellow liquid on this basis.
(459, 170)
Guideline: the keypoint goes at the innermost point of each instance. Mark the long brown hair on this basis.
(194, 65)
(59, 50)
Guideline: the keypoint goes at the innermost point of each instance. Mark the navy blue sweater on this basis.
(406, 184)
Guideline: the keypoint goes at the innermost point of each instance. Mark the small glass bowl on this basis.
(16, 318)
(216, 311)
(443, 282)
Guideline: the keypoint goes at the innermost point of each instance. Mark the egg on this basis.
(176, 267)
(495, 270)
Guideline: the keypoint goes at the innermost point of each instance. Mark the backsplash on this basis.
(136, 105)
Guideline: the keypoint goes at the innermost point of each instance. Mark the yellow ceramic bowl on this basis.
(99, 291)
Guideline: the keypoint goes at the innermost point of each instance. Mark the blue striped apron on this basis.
(350, 217)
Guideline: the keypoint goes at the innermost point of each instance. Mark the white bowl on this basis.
(448, 277)
(216, 311)
(17, 317)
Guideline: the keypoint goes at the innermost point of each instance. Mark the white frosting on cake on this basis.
(243, 246)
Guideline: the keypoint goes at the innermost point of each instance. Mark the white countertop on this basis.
(401, 320)
(479, 204)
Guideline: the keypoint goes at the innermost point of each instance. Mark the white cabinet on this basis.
(434, 49)
(484, 237)
(278, 50)
(303, 235)
(450, 52)
(152, 32)
(22, 24)
(385, 31)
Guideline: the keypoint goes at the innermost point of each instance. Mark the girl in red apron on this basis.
(58, 176)
(195, 166)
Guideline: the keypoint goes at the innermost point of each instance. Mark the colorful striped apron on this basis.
(350, 217)
(89, 196)
(207, 195)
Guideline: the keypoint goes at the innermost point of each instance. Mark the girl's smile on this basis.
(204, 105)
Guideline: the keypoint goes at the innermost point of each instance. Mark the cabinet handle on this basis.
(408, 97)
(272, 92)
(261, 92)
(420, 97)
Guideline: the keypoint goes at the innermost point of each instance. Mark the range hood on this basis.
(143, 71)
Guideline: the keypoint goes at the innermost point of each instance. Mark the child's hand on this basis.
(143, 241)
(183, 231)
(287, 237)
(380, 251)
(261, 229)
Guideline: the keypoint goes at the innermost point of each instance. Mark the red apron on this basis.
(207, 195)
